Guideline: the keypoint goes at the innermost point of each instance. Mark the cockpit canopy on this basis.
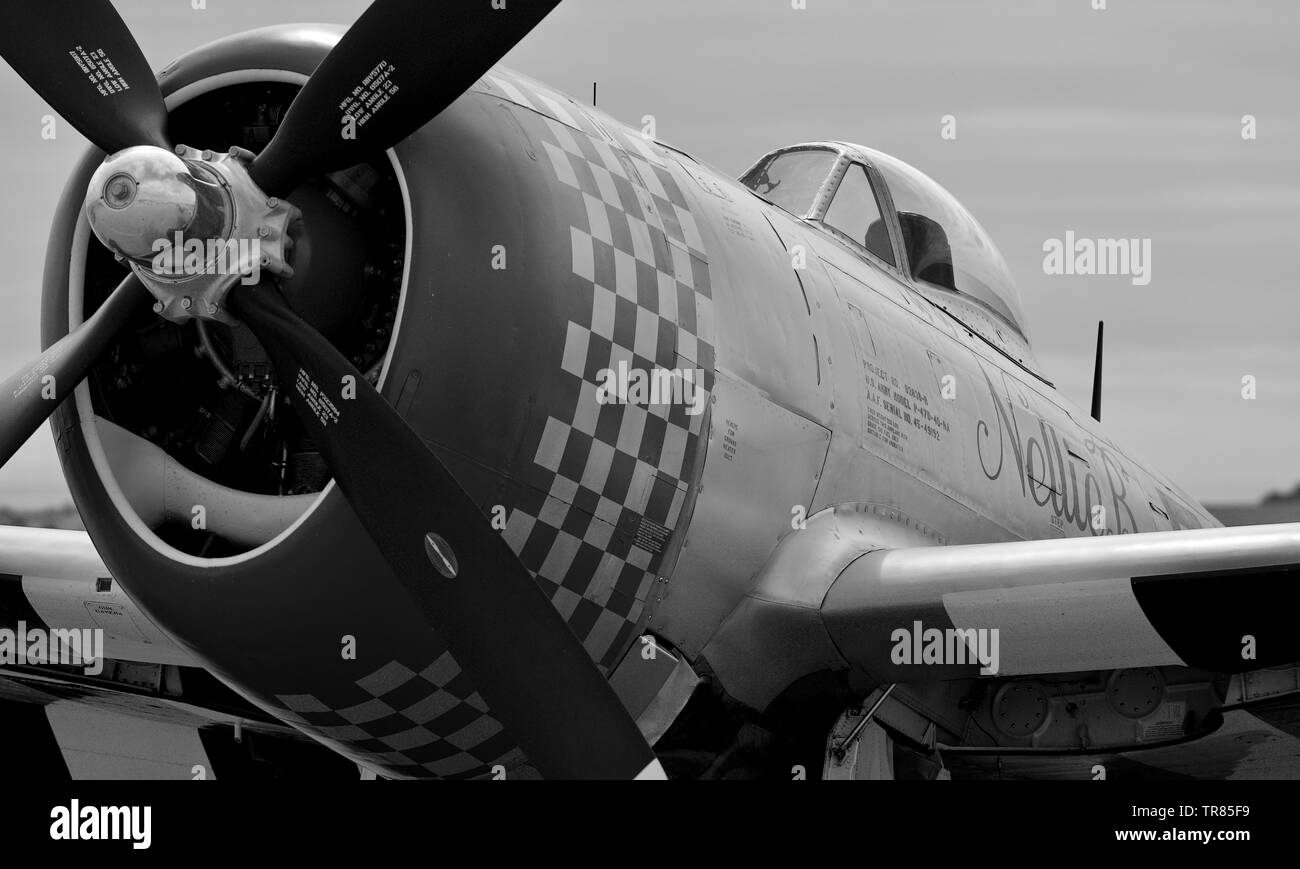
(893, 212)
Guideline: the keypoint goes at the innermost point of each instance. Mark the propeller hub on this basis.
(138, 196)
(191, 224)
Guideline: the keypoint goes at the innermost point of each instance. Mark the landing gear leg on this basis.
(869, 758)
(859, 749)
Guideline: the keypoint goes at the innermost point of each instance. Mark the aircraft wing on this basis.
(149, 711)
(55, 580)
(1219, 599)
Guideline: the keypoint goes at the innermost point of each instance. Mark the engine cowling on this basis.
(262, 570)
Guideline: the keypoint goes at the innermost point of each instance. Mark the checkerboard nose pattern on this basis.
(609, 479)
(615, 475)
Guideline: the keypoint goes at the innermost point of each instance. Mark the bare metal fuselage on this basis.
(841, 382)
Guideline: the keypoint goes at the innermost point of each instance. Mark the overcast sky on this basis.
(1122, 123)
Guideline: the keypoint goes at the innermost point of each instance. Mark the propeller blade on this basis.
(81, 58)
(530, 668)
(29, 397)
(399, 65)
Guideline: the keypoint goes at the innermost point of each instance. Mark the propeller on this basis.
(80, 57)
(400, 65)
(29, 397)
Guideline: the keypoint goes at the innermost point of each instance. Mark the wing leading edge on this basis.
(55, 581)
(1219, 599)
